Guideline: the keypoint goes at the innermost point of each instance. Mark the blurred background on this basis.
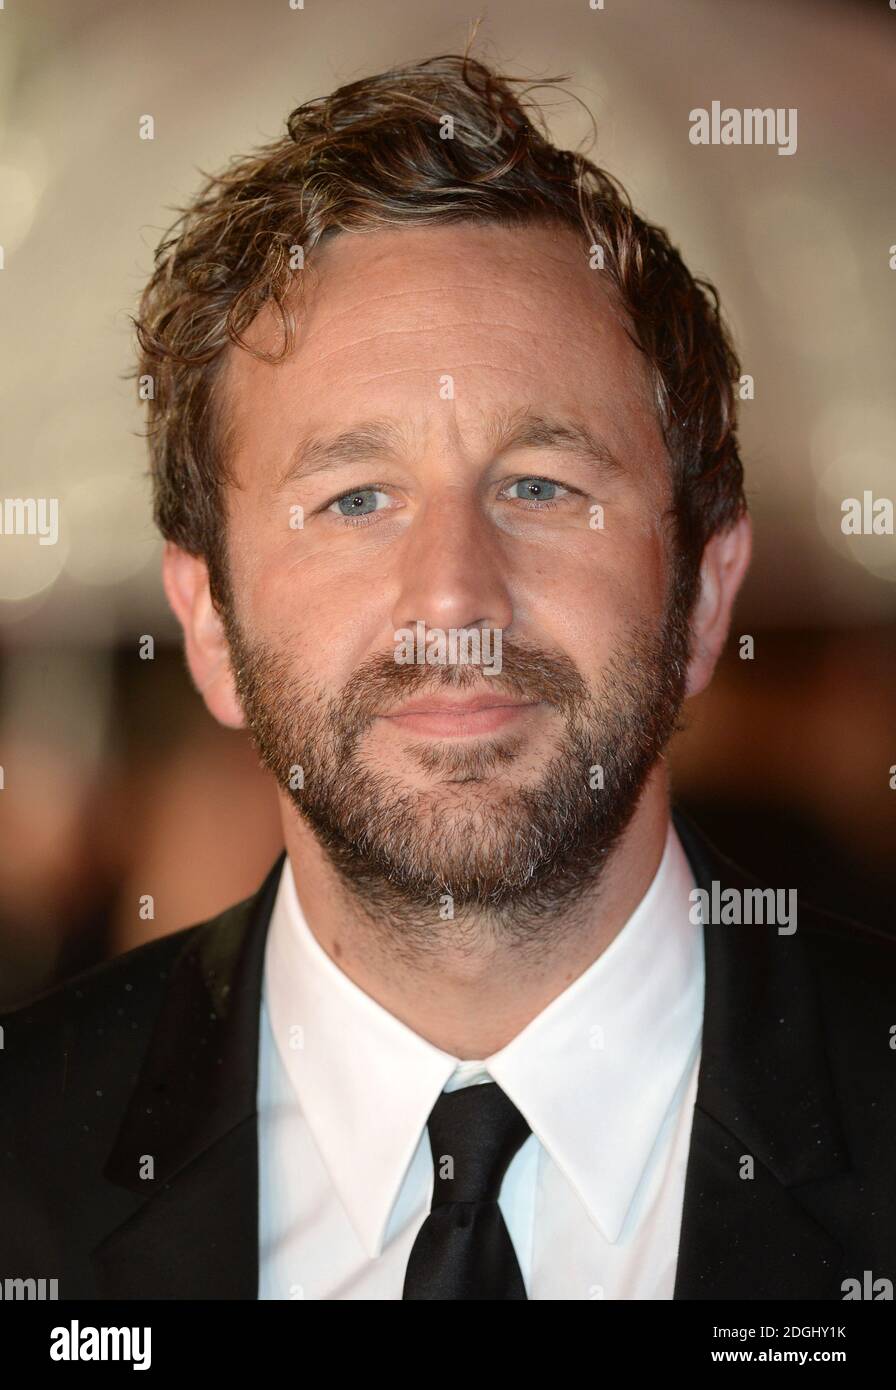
(115, 780)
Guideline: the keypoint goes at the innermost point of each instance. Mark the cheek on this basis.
(322, 617)
(584, 599)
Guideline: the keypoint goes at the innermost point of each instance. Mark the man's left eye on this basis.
(537, 490)
(361, 502)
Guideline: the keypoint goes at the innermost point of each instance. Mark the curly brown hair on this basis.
(372, 155)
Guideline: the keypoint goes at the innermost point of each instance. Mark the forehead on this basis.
(403, 323)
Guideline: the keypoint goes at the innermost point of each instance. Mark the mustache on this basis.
(528, 672)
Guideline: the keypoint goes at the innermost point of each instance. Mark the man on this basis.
(444, 452)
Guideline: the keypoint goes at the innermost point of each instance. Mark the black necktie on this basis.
(463, 1249)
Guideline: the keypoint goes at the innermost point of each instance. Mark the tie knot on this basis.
(474, 1133)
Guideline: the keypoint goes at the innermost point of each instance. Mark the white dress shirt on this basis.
(605, 1075)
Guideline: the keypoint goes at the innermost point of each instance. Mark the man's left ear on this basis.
(724, 564)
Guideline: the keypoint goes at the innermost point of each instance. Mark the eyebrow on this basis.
(369, 440)
(382, 439)
(525, 429)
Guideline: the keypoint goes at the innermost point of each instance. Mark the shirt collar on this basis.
(594, 1074)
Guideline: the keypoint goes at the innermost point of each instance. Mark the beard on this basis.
(470, 843)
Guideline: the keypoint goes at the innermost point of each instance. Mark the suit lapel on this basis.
(193, 1115)
(763, 1093)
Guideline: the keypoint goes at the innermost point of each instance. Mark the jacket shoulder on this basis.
(115, 1001)
(829, 938)
(848, 967)
(69, 1059)
(854, 971)
(73, 1052)
(97, 1023)
(839, 946)
(71, 1062)
(124, 984)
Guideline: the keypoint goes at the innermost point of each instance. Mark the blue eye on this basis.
(536, 489)
(361, 502)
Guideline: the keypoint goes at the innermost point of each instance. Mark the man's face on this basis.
(469, 436)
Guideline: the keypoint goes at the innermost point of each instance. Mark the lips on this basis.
(438, 716)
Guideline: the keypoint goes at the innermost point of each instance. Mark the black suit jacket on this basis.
(151, 1059)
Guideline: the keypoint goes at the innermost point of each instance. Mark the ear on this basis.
(185, 578)
(724, 564)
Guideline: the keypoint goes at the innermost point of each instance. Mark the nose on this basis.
(453, 572)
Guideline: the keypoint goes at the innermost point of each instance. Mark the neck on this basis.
(467, 987)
